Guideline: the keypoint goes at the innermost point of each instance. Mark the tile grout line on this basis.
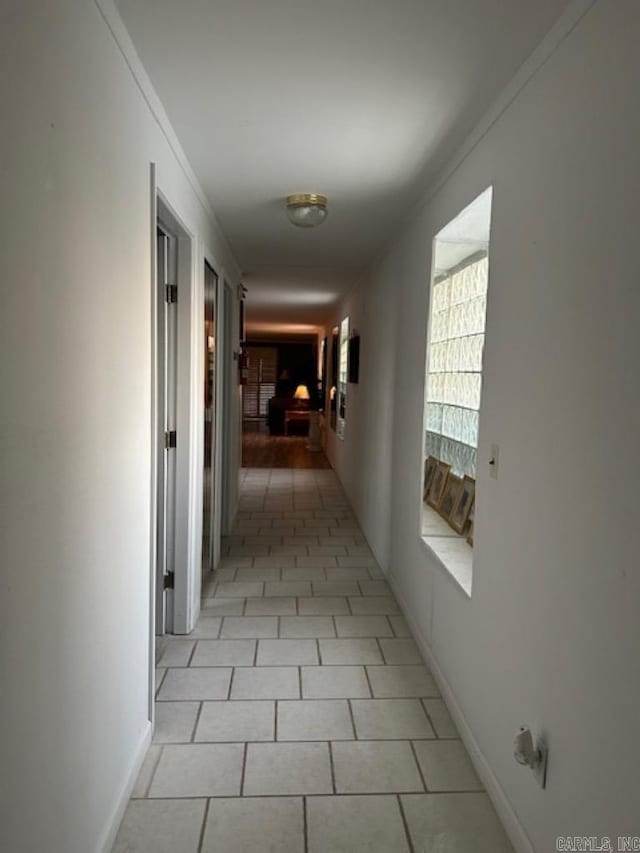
(417, 761)
(426, 711)
(233, 672)
(195, 725)
(405, 824)
(366, 674)
(153, 773)
(353, 719)
(333, 770)
(244, 769)
(304, 824)
(204, 824)
(161, 682)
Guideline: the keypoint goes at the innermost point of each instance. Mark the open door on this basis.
(209, 472)
(167, 333)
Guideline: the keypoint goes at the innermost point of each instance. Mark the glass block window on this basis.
(454, 371)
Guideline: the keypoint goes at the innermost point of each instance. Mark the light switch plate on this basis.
(540, 770)
(494, 460)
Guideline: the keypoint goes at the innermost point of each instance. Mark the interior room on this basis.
(319, 331)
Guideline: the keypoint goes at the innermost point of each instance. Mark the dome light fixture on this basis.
(306, 210)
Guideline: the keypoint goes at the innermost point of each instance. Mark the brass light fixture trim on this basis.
(307, 198)
(307, 210)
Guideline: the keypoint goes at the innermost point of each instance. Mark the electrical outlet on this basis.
(494, 461)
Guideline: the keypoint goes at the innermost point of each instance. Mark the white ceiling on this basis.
(362, 100)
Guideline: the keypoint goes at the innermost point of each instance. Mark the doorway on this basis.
(230, 425)
(210, 418)
(166, 396)
(176, 478)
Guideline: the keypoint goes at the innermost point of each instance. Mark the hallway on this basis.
(299, 716)
(260, 450)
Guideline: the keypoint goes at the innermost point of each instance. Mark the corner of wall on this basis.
(108, 837)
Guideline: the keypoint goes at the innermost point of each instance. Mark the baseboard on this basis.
(108, 838)
(503, 807)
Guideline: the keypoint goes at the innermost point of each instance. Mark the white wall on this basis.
(551, 635)
(76, 144)
(363, 458)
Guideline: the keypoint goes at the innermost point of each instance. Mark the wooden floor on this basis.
(279, 451)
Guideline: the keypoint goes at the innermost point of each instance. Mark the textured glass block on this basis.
(469, 434)
(433, 445)
(440, 326)
(461, 457)
(438, 357)
(434, 417)
(463, 354)
(469, 282)
(461, 389)
(440, 295)
(460, 424)
(436, 388)
(468, 318)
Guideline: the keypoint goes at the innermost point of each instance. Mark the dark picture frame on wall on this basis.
(354, 359)
(241, 329)
(333, 387)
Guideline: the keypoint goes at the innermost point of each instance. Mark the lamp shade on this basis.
(302, 393)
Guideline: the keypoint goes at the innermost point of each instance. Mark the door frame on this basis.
(166, 412)
(189, 407)
(229, 388)
(210, 561)
(191, 255)
(189, 414)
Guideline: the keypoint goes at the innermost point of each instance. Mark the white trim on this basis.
(189, 412)
(108, 837)
(153, 494)
(501, 803)
(194, 410)
(220, 368)
(114, 22)
(232, 410)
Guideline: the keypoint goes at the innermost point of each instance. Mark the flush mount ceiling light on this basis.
(306, 210)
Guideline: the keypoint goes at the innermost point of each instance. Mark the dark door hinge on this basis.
(171, 293)
(168, 581)
(170, 439)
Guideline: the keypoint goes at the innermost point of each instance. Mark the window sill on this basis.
(450, 550)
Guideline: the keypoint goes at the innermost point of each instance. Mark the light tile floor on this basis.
(300, 717)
